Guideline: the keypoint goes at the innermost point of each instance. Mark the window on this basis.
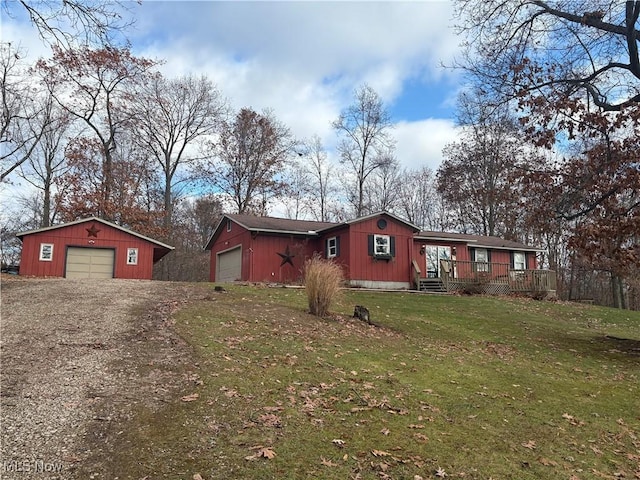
(482, 260)
(519, 261)
(132, 256)
(228, 225)
(332, 247)
(46, 252)
(381, 245)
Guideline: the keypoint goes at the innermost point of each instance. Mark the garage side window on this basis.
(132, 256)
(46, 252)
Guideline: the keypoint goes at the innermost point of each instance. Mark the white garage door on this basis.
(90, 262)
(229, 265)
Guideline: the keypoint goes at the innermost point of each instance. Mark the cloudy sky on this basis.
(304, 60)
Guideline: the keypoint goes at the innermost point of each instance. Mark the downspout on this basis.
(410, 260)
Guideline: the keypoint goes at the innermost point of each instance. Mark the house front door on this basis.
(433, 254)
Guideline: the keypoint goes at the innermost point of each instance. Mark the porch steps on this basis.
(433, 285)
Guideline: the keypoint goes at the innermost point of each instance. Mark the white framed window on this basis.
(519, 261)
(228, 225)
(132, 256)
(482, 260)
(46, 252)
(381, 245)
(332, 247)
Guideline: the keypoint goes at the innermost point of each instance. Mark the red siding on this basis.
(77, 236)
(266, 264)
(228, 240)
(365, 267)
(260, 259)
(344, 258)
(261, 262)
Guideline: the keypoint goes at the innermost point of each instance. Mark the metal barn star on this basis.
(287, 257)
(93, 231)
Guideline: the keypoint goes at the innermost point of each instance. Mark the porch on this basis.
(484, 278)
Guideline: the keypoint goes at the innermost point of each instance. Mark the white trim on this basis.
(387, 245)
(132, 259)
(335, 247)
(44, 258)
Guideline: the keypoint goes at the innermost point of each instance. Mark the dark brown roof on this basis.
(280, 225)
(476, 240)
(164, 246)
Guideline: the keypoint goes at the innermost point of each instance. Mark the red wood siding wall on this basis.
(76, 236)
(344, 258)
(260, 259)
(228, 240)
(266, 263)
(365, 267)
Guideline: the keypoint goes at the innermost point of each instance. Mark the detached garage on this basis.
(89, 248)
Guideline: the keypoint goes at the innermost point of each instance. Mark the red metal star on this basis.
(286, 257)
(93, 231)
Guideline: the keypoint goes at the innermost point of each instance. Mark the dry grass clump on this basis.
(322, 279)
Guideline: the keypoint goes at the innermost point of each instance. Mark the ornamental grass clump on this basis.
(322, 279)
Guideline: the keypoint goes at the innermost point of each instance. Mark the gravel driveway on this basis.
(77, 358)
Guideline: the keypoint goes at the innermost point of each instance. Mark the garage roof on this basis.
(99, 220)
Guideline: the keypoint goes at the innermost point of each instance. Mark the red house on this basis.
(375, 251)
(89, 248)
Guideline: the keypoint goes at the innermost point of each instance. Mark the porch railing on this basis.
(494, 278)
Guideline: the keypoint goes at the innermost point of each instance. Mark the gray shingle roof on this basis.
(283, 225)
(476, 240)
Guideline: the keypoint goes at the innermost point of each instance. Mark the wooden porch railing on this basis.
(415, 269)
(494, 278)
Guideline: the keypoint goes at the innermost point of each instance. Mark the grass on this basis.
(467, 387)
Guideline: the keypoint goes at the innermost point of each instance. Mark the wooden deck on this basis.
(493, 278)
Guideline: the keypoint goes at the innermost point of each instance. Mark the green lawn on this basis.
(462, 387)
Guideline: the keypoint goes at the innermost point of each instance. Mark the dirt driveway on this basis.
(77, 358)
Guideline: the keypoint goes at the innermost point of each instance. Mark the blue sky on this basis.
(304, 59)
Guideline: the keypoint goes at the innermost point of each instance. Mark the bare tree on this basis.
(321, 181)
(72, 22)
(246, 161)
(300, 195)
(94, 86)
(419, 201)
(195, 219)
(474, 178)
(383, 191)
(364, 128)
(170, 116)
(47, 160)
(20, 130)
(555, 48)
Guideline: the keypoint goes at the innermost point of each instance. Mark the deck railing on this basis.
(494, 278)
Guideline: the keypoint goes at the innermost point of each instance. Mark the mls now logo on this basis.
(31, 466)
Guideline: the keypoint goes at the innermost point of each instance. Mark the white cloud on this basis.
(303, 59)
(421, 143)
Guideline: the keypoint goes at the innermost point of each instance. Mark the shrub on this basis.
(322, 279)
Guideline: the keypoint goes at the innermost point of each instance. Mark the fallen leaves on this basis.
(327, 463)
(531, 445)
(572, 420)
(190, 398)
(380, 453)
(261, 452)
